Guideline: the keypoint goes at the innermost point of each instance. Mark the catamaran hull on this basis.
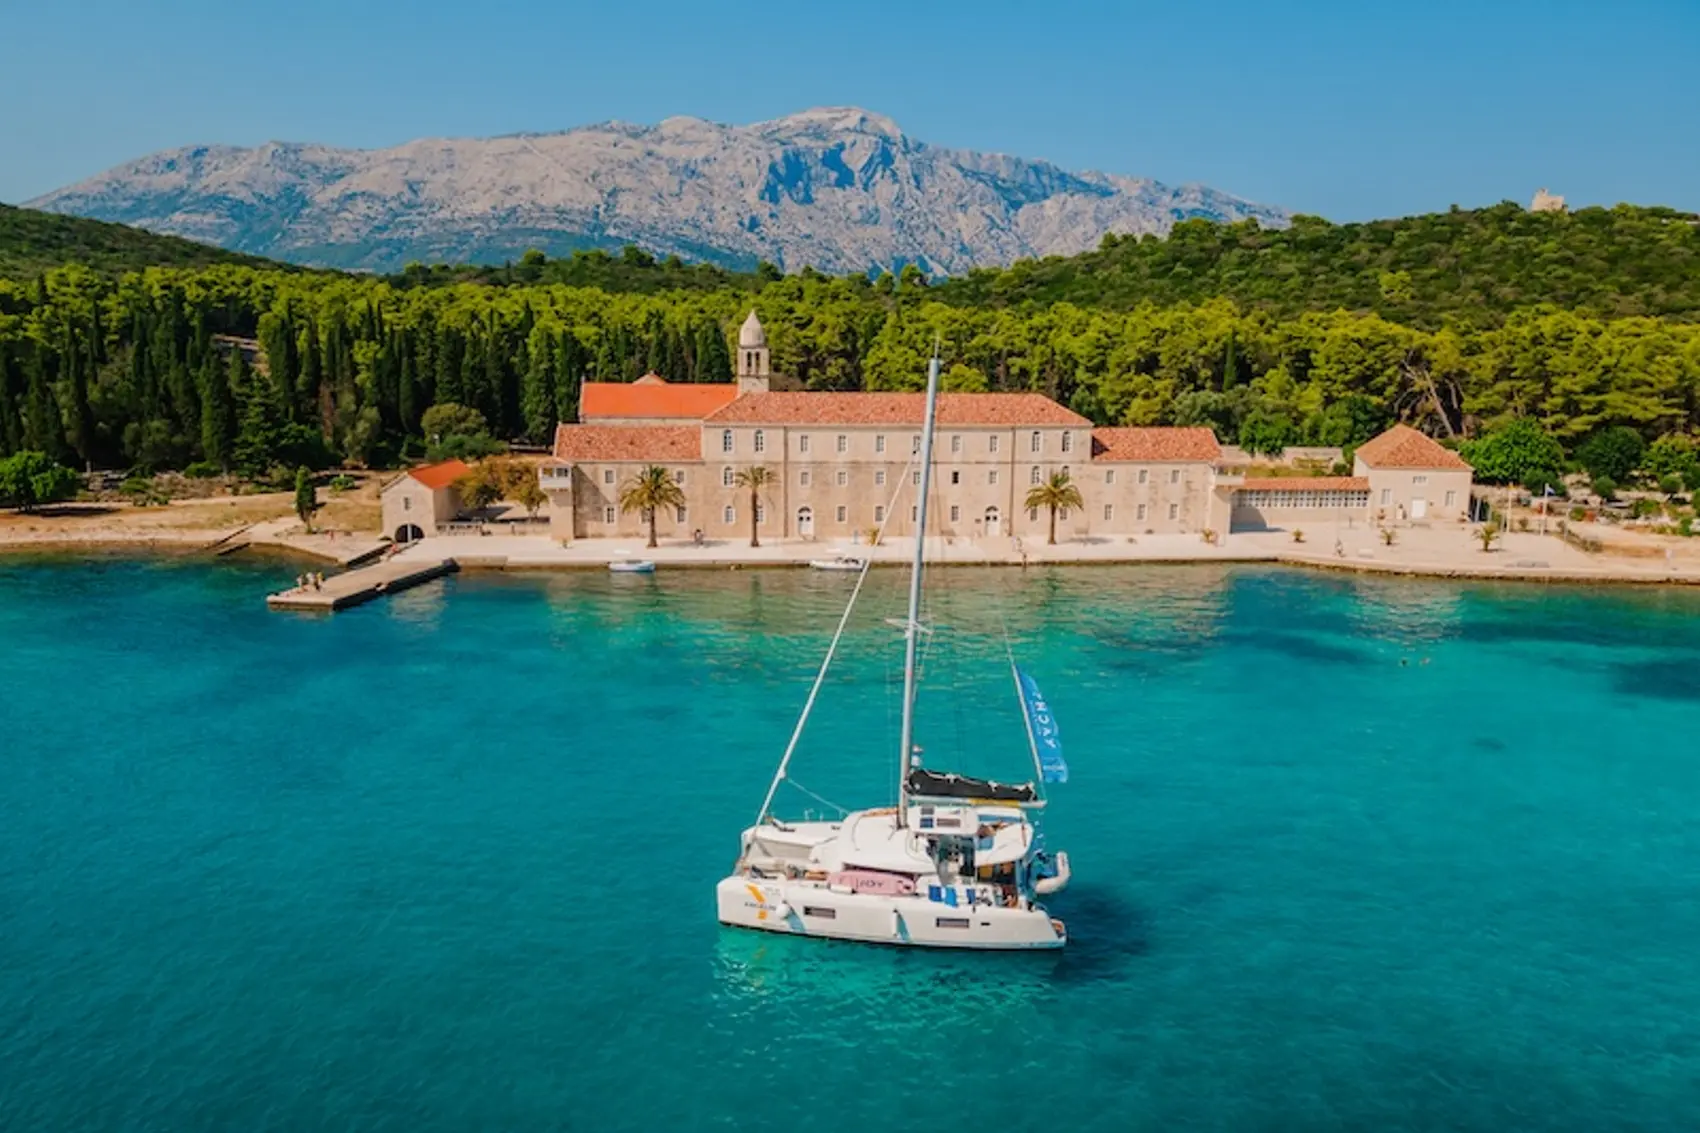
(808, 910)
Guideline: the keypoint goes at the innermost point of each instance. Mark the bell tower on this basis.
(754, 370)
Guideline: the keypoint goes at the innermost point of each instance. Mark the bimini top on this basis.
(937, 785)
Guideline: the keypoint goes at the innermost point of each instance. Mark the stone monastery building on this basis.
(839, 462)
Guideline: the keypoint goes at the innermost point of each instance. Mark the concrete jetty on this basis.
(351, 588)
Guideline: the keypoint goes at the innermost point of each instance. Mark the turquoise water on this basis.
(1349, 854)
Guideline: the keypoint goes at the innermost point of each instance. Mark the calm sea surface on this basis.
(1348, 855)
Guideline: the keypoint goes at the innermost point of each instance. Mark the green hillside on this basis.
(32, 242)
(1466, 266)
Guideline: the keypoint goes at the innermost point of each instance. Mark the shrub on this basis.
(1670, 484)
(1388, 536)
(340, 484)
(29, 479)
(1685, 526)
(1298, 535)
(203, 470)
(1577, 515)
(1604, 487)
(1671, 455)
(1518, 452)
(1612, 454)
(1641, 509)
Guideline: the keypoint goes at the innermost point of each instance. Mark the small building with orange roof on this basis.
(420, 499)
(1412, 478)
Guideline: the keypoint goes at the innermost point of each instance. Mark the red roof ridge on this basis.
(440, 475)
(1404, 447)
(646, 443)
(1144, 443)
(871, 407)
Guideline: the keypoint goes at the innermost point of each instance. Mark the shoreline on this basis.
(212, 546)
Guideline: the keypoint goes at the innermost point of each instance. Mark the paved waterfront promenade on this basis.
(1443, 552)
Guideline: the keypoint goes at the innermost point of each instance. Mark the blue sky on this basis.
(1349, 110)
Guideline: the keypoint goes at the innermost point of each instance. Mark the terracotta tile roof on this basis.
(650, 396)
(1155, 444)
(1404, 447)
(1307, 484)
(808, 408)
(435, 476)
(659, 443)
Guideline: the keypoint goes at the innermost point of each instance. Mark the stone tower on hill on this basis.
(755, 370)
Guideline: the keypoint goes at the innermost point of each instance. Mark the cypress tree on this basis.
(218, 413)
(538, 397)
(11, 418)
(257, 434)
(713, 359)
(570, 361)
(451, 351)
(410, 401)
(310, 377)
(44, 427)
(81, 423)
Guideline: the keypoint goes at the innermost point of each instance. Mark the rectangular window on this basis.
(1174, 511)
(726, 440)
(1062, 513)
(915, 477)
(914, 512)
(879, 513)
(820, 911)
(843, 443)
(841, 513)
(679, 476)
(1068, 442)
(843, 477)
(607, 515)
(955, 513)
(679, 516)
(1109, 475)
(761, 441)
(406, 503)
(726, 478)
(607, 475)
(879, 476)
(803, 478)
(879, 443)
(1419, 479)
(1038, 441)
(1387, 495)
(1143, 475)
(992, 443)
(955, 476)
(729, 514)
(761, 513)
(992, 476)
(952, 922)
(1033, 477)
(915, 443)
(1033, 513)
(1109, 509)
(956, 442)
(803, 443)
(1140, 514)
(1174, 476)
(1452, 499)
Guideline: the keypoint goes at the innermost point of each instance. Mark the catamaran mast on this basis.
(912, 628)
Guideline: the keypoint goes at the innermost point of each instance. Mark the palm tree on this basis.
(1057, 492)
(755, 479)
(651, 489)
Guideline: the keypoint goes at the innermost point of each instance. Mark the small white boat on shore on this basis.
(847, 563)
(632, 566)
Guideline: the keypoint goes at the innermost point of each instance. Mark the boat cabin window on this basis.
(820, 911)
(952, 922)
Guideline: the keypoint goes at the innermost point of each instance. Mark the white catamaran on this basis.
(957, 863)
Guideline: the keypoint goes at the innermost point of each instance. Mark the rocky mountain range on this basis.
(840, 189)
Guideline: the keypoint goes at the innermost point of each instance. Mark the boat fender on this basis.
(782, 911)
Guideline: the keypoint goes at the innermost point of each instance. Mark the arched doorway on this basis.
(408, 533)
(806, 522)
(994, 523)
